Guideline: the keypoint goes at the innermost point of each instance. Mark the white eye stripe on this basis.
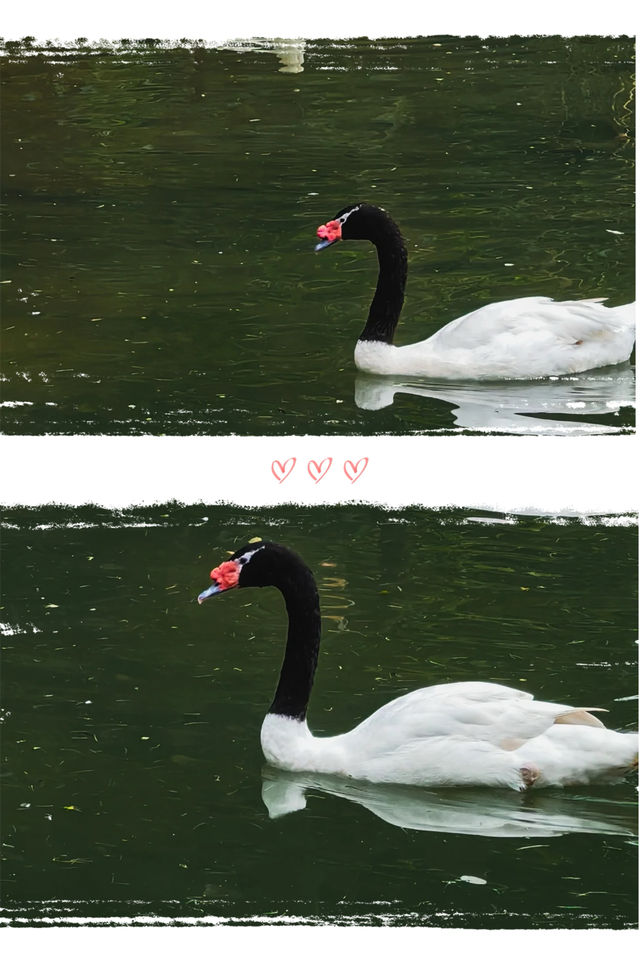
(345, 216)
(247, 556)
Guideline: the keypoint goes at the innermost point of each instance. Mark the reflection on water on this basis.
(483, 813)
(534, 406)
(290, 53)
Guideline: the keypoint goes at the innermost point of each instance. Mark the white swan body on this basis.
(522, 339)
(459, 734)
(455, 734)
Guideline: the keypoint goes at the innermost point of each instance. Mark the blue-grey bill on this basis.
(209, 592)
(322, 245)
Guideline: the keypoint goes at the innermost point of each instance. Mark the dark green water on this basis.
(161, 208)
(132, 771)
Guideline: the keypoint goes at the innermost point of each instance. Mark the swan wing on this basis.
(488, 734)
(524, 338)
(472, 711)
(560, 320)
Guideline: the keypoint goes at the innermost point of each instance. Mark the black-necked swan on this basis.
(520, 339)
(455, 734)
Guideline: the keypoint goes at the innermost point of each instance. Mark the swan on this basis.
(454, 734)
(522, 339)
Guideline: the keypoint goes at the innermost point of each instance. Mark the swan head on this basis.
(353, 222)
(232, 572)
(257, 564)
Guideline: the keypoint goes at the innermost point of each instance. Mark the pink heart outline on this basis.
(283, 468)
(318, 466)
(355, 468)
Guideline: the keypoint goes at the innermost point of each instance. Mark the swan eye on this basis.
(240, 561)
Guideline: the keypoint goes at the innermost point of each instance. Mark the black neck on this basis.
(392, 276)
(300, 594)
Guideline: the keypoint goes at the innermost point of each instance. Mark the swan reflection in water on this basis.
(290, 53)
(479, 812)
(515, 406)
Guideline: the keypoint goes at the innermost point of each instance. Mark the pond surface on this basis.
(161, 208)
(133, 779)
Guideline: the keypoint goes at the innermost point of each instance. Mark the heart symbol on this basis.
(316, 471)
(354, 470)
(282, 470)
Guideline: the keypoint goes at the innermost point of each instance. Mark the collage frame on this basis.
(576, 477)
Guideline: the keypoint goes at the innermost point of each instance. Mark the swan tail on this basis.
(578, 754)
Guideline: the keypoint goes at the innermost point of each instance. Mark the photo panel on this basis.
(164, 200)
(136, 783)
